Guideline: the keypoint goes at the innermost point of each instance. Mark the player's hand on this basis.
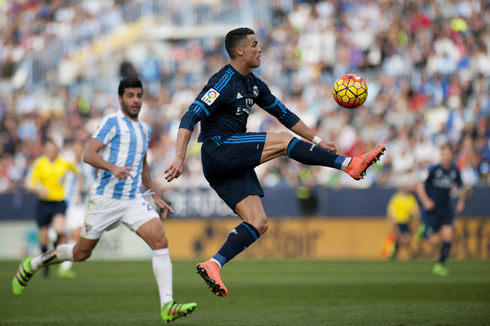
(460, 206)
(165, 207)
(43, 192)
(175, 169)
(121, 172)
(328, 145)
(429, 204)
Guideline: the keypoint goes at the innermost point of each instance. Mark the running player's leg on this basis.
(146, 223)
(65, 252)
(447, 232)
(279, 144)
(153, 234)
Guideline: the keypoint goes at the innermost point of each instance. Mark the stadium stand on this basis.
(426, 64)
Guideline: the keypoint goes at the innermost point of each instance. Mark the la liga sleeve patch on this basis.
(210, 96)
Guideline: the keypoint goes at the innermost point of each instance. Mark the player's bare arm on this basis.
(177, 165)
(93, 158)
(148, 183)
(460, 204)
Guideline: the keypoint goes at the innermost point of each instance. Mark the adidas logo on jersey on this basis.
(239, 96)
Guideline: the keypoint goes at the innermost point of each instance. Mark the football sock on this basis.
(446, 245)
(67, 264)
(162, 268)
(311, 154)
(62, 253)
(238, 240)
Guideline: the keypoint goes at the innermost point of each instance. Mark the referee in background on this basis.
(46, 183)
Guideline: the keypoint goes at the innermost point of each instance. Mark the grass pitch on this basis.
(260, 293)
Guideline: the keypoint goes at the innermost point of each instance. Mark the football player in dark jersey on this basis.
(435, 195)
(230, 153)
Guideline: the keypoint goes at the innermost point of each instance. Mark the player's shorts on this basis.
(437, 218)
(229, 163)
(403, 227)
(46, 210)
(105, 213)
(75, 214)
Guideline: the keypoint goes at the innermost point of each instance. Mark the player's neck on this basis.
(129, 117)
(241, 67)
(446, 166)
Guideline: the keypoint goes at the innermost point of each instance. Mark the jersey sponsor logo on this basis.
(210, 96)
(239, 96)
(240, 111)
(256, 91)
(234, 231)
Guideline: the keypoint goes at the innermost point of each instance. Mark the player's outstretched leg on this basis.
(360, 163)
(310, 154)
(173, 310)
(22, 276)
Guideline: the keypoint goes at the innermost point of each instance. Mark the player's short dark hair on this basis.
(129, 82)
(235, 38)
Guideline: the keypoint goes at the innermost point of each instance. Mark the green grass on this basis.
(260, 293)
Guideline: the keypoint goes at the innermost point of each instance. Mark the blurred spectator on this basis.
(427, 66)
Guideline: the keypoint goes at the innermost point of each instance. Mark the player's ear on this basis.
(239, 51)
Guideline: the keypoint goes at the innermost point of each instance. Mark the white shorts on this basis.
(75, 214)
(105, 214)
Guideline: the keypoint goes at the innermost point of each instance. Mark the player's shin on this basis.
(238, 240)
(60, 254)
(162, 268)
(446, 246)
(311, 154)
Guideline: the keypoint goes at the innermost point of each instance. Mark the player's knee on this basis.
(160, 242)
(81, 255)
(262, 226)
(434, 239)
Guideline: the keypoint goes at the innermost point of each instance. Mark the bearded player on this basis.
(118, 149)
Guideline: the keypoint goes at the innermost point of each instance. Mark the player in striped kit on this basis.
(118, 149)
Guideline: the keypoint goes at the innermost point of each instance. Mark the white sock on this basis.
(162, 268)
(346, 163)
(64, 252)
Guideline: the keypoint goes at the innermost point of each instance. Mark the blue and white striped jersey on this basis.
(126, 143)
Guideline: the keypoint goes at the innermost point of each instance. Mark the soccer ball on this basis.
(350, 91)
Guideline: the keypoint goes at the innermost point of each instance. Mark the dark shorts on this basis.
(46, 210)
(437, 218)
(403, 228)
(229, 163)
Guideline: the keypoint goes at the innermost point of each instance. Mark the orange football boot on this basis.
(359, 164)
(209, 271)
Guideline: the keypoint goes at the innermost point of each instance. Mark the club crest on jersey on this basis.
(210, 96)
(88, 227)
(256, 91)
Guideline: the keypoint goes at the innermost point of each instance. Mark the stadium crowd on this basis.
(427, 65)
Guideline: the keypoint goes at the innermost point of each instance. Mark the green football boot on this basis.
(22, 276)
(419, 235)
(66, 273)
(173, 310)
(440, 270)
